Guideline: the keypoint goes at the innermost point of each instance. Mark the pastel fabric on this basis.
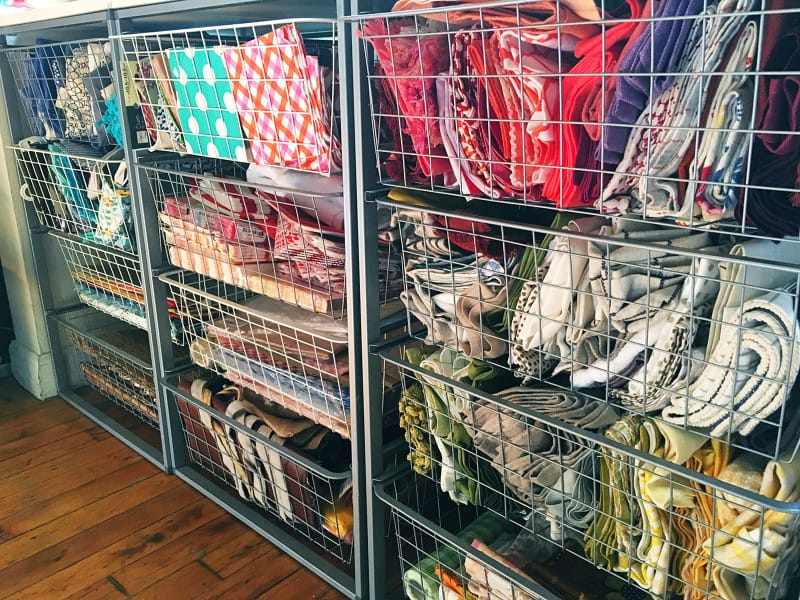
(206, 107)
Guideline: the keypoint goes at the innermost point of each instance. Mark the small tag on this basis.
(141, 137)
(129, 70)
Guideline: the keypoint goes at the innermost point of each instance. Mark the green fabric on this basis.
(421, 583)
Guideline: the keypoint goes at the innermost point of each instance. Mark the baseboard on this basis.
(35, 372)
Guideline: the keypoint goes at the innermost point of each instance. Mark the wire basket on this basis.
(259, 92)
(667, 113)
(285, 354)
(88, 197)
(106, 279)
(66, 90)
(278, 243)
(234, 442)
(114, 360)
(695, 330)
(525, 551)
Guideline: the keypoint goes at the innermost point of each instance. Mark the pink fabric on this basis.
(278, 92)
(411, 62)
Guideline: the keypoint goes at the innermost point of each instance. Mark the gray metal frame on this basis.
(174, 456)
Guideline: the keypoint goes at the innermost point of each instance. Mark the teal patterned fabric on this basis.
(206, 107)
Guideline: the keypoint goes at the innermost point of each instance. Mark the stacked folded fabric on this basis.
(65, 90)
(260, 473)
(537, 101)
(281, 234)
(267, 101)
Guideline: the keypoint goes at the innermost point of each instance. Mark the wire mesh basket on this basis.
(260, 92)
(287, 355)
(85, 196)
(106, 279)
(696, 330)
(626, 526)
(667, 112)
(114, 359)
(239, 440)
(288, 245)
(66, 90)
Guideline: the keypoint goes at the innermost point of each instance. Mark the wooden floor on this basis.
(83, 516)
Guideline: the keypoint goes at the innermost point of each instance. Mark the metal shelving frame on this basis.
(114, 24)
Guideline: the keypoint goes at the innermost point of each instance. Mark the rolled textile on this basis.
(543, 466)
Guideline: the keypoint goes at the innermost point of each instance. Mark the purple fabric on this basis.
(661, 43)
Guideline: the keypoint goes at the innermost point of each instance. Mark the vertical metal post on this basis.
(356, 296)
(370, 327)
(148, 243)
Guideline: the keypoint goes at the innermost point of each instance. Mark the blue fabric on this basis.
(323, 396)
(48, 68)
(72, 188)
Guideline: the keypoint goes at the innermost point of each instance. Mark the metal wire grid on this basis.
(283, 353)
(105, 279)
(679, 118)
(86, 197)
(660, 527)
(313, 501)
(114, 360)
(656, 323)
(278, 243)
(66, 89)
(261, 92)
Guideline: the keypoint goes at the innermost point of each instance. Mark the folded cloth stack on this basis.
(466, 479)
(448, 123)
(453, 284)
(261, 473)
(319, 399)
(648, 519)
(546, 468)
(282, 340)
(662, 133)
(658, 97)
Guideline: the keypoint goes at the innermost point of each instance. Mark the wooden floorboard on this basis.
(83, 516)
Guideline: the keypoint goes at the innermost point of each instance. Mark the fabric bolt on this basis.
(72, 187)
(658, 49)
(663, 131)
(277, 87)
(161, 126)
(95, 83)
(412, 61)
(205, 104)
